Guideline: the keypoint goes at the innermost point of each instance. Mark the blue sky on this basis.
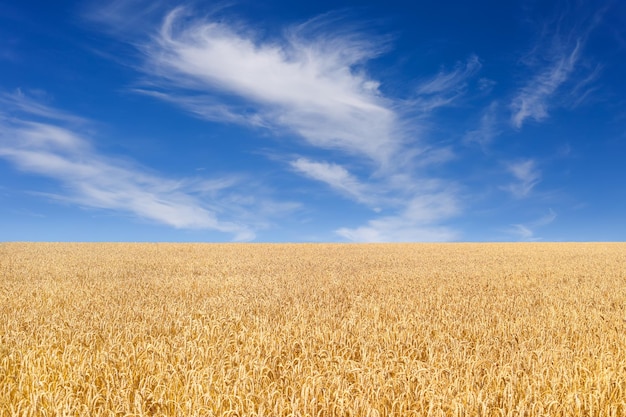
(349, 121)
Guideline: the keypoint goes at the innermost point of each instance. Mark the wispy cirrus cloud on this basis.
(88, 178)
(527, 231)
(446, 86)
(533, 100)
(20, 101)
(419, 207)
(583, 89)
(557, 61)
(337, 177)
(488, 128)
(308, 81)
(527, 176)
(208, 108)
(450, 81)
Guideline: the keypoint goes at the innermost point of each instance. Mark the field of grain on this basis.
(312, 330)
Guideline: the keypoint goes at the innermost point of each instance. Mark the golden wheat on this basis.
(313, 330)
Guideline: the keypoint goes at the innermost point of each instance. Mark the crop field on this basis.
(99, 329)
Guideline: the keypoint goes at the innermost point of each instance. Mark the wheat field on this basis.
(312, 329)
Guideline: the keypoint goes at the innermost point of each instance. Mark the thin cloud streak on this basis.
(446, 81)
(446, 87)
(527, 176)
(336, 176)
(488, 128)
(561, 54)
(532, 101)
(527, 232)
(18, 101)
(92, 180)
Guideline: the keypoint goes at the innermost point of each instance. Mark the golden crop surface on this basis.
(312, 329)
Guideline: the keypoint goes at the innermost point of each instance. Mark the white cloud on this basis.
(122, 17)
(309, 81)
(557, 61)
(435, 156)
(532, 101)
(488, 128)
(419, 221)
(91, 179)
(446, 81)
(522, 231)
(486, 85)
(208, 108)
(445, 87)
(336, 176)
(396, 229)
(18, 101)
(526, 232)
(527, 175)
(583, 89)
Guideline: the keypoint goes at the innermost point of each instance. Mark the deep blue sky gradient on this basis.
(313, 121)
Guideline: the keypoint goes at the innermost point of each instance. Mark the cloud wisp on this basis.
(527, 232)
(527, 176)
(90, 179)
(488, 128)
(337, 177)
(532, 101)
(446, 86)
(556, 61)
(446, 81)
